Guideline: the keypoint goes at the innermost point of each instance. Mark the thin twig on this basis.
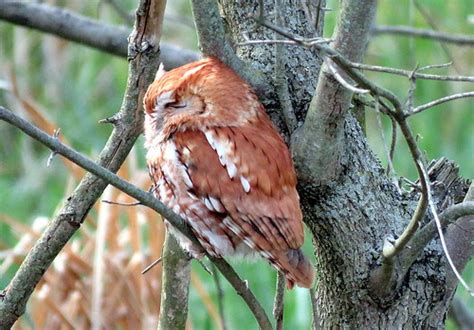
(434, 66)
(204, 266)
(411, 91)
(279, 304)
(308, 42)
(458, 39)
(435, 26)
(393, 143)
(342, 81)
(390, 249)
(121, 203)
(442, 100)
(124, 15)
(51, 156)
(153, 264)
(439, 226)
(145, 198)
(220, 296)
(399, 114)
(407, 73)
(390, 168)
(341, 61)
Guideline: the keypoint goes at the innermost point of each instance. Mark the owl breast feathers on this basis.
(216, 160)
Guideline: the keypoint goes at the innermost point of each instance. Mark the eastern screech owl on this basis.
(216, 160)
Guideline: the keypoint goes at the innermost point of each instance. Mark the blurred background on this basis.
(55, 83)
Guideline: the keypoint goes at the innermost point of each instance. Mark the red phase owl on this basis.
(216, 160)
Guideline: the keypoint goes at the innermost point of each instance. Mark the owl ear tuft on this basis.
(161, 71)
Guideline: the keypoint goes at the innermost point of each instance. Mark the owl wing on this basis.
(246, 175)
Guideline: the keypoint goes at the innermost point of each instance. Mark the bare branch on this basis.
(391, 249)
(279, 304)
(459, 241)
(120, 203)
(435, 26)
(393, 143)
(434, 66)
(145, 198)
(318, 150)
(428, 232)
(142, 67)
(308, 42)
(175, 285)
(390, 168)
(71, 26)
(124, 15)
(407, 73)
(220, 296)
(458, 39)
(434, 212)
(342, 81)
(150, 266)
(442, 100)
(242, 289)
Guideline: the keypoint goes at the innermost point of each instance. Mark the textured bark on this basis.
(351, 214)
(175, 286)
(301, 65)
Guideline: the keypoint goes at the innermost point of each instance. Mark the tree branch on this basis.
(175, 285)
(385, 274)
(128, 126)
(74, 27)
(145, 198)
(279, 303)
(459, 240)
(319, 144)
(408, 73)
(408, 31)
(450, 215)
(313, 168)
(220, 297)
(442, 100)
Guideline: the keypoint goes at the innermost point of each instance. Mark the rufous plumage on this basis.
(216, 159)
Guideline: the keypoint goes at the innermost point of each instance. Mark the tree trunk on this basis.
(352, 214)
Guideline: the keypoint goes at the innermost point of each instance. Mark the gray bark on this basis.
(301, 65)
(352, 213)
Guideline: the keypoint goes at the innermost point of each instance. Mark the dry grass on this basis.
(96, 281)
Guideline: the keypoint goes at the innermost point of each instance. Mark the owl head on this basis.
(206, 93)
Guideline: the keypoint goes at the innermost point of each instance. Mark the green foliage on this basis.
(75, 86)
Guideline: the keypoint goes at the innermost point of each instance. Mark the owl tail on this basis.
(296, 267)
